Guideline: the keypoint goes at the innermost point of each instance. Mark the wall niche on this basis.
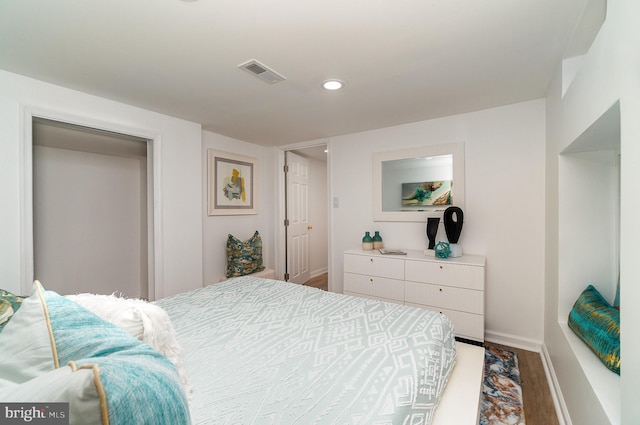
(589, 238)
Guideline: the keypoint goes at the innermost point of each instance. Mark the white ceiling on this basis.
(402, 60)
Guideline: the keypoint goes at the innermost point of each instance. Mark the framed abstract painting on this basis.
(232, 184)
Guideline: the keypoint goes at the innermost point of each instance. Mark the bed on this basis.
(261, 351)
(245, 351)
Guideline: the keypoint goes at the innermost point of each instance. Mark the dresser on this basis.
(451, 286)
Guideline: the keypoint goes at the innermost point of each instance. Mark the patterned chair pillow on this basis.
(244, 258)
(597, 323)
(9, 304)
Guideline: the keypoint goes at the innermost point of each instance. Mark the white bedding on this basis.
(260, 351)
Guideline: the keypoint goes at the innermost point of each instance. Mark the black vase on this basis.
(452, 227)
(432, 230)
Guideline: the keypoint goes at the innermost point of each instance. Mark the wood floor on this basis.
(538, 404)
(320, 282)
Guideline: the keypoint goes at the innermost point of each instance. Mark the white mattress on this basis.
(460, 403)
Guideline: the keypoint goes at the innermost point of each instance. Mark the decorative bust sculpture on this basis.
(453, 228)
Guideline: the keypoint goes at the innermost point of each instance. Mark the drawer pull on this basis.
(371, 280)
(440, 289)
(441, 267)
(371, 259)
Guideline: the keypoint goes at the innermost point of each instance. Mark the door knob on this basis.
(309, 227)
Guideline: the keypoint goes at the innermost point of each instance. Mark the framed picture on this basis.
(232, 184)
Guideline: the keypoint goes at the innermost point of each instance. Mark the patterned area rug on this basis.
(502, 393)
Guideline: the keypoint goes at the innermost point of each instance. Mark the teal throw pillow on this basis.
(597, 323)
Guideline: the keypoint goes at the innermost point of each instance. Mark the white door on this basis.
(297, 218)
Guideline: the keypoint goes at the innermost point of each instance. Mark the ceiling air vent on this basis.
(262, 71)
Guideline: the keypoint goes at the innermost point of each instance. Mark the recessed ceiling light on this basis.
(332, 85)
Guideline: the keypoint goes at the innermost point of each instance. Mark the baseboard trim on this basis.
(513, 341)
(556, 393)
(318, 272)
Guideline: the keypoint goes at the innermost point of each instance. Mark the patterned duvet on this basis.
(260, 351)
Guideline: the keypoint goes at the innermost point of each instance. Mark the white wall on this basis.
(503, 216)
(587, 226)
(88, 225)
(217, 228)
(318, 236)
(610, 72)
(178, 144)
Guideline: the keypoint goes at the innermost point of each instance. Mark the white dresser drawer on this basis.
(374, 265)
(465, 325)
(442, 296)
(452, 286)
(443, 273)
(378, 287)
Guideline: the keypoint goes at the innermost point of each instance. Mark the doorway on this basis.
(92, 210)
(306, 213)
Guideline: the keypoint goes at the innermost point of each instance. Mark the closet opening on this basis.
(92, 210)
